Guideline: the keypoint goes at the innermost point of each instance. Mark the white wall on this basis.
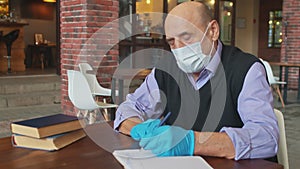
(247, 38)
(47, 28)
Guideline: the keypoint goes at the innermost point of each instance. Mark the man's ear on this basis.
(214, 30)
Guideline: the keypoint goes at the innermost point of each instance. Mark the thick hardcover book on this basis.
(51, 143)
(46, 126)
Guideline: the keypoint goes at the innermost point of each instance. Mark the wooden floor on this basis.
(30, 71)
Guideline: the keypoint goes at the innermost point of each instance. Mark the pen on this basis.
(164, 119)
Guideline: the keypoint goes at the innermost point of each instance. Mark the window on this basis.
(275, 29)
(4, 6)
(149, 23)
(144, 28)
(226, 18)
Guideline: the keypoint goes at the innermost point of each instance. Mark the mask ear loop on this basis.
(209, 24)
(212, 47)
(205, 32)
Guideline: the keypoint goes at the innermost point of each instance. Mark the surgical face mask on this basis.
(191, 58)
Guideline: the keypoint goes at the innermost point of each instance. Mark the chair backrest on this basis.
(282, 154)
(269, 70)
(9, 38)
(95, 87)
(79, 91)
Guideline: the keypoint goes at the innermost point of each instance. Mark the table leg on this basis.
(280, 77)
(286, 75)
(121, 87)
(30, 58)
(298, 97)
(113, 89)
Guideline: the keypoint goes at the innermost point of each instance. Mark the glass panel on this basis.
(173, 3)
(148, 24)
(125, 29)
(275, 29)
(277, 33)
(270, 32)
(225, 21)
(125, 8)
(4, 7)
(125, 23)
(210, 4)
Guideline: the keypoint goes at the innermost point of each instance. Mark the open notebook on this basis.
(142, 159)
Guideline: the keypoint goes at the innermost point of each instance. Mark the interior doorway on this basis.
(46, 26)
(270, 30)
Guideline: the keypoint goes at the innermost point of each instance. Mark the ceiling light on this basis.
(52, 1)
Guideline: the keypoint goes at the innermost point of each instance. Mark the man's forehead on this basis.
(176, 27)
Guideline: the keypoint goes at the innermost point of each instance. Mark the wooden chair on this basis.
(282, 153)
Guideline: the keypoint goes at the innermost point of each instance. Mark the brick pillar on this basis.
(290, 50)
(83, 38)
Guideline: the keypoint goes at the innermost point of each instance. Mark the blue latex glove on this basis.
(164, 140)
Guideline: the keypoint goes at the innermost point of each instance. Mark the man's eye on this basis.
(186, 37)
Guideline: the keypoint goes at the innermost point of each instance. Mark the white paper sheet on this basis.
(141, 159)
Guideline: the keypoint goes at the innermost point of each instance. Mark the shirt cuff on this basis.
(241, 140)
(124, 112)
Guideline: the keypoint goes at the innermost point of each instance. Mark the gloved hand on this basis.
(164, 140)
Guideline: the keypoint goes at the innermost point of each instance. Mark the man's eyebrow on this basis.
(179, 35)
(183, 34)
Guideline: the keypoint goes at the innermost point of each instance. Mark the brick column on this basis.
(81, 21)
(290, 50)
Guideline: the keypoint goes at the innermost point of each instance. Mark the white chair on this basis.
(274, 81)
(282, 154)
(96, 88)
(82, 98)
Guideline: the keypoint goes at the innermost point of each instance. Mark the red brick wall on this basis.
(290, 51)
(80, 21)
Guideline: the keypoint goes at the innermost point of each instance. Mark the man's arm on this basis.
(213, 144)
(143, 104)
(258, 138)
(127, 125)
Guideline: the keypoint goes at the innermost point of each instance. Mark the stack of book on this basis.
(47, 133)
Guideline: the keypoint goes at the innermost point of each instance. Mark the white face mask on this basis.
(191, 58)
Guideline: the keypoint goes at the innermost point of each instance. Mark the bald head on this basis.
(194, 12)
(191, 22)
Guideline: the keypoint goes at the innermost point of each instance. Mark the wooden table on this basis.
(86, 154)
(126, 74)
(287, 65)
(41, 54)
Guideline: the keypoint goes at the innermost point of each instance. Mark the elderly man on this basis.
(219, 97)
